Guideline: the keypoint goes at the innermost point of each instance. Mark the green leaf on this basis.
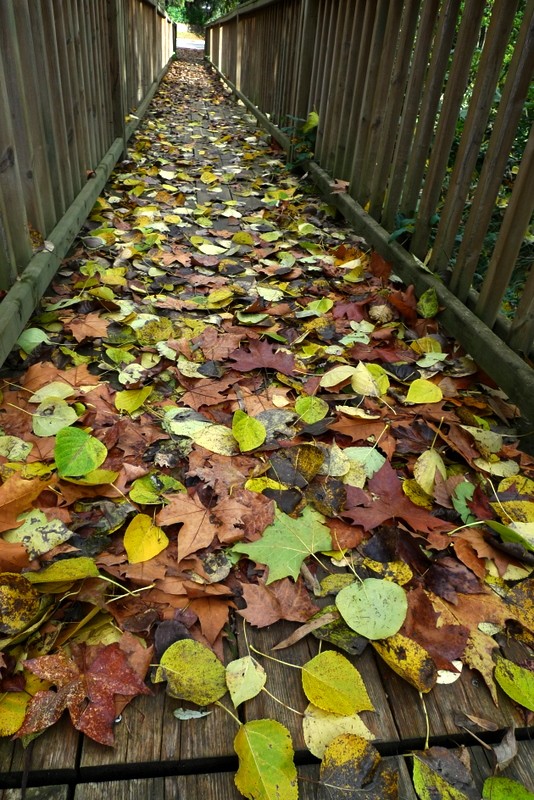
(428, 305)
(266, 769)
(248, 432)
(69, 569)
(32, 338)
(516, 681)
(508, 534)
(312, 121)
(37, 533)
(51, 416)
(130, 400)
(311, 409)
(245, 678)
(331, 682)
(193, 673)
(56, 389)
(439, 774)
(14, 449)
(76, 452)
(373, 608)
(287, 542)
(370, 458)
(498, 788)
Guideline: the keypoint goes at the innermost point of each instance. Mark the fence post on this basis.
(117, 67)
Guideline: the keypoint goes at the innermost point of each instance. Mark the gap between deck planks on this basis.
(218, 785)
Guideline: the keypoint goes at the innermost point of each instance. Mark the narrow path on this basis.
(262, 386)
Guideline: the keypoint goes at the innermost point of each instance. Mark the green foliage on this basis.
(198, 12)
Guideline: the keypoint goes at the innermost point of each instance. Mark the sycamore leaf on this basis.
(439, 774)
(287, 542)
(331, 682)
(352, 767)
(516, 681)
(245, 678)
(321, 727)
(143, 540)
(373, 608)
(19, 602)
(249, 433)
(423, 391)
(87, 685)
(51, 416)
(193, 673)
(76, 452)
(266, 769)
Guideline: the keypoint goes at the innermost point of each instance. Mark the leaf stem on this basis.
(277, 700)
(427, 721)
(272, 658)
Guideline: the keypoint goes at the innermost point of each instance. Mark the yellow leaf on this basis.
(331, 682)
(193, 672)
(69, 569)
(12, 711)
(423, 391)
(425, 469)
(266, 769)
(364, 383)
(337, 375)
(514, 510)
(409, 660)
(416, 494)
(321, 727)
(19, 602)
(208, 177)
(143, 540)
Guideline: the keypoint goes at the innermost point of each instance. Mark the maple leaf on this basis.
(389, 503)
(199, 526)
(86, 685)
(283, 599)
(287, 542)
(262, 355)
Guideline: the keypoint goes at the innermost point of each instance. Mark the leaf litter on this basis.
(230, 402)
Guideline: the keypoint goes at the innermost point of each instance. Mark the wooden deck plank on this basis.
(468, 694)
(37, 793)
(148, 789)
(56, 749)
(521, 769)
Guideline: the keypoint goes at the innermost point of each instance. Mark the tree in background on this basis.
(198, 12)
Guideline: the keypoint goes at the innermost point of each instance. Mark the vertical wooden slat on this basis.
(511, 234)
(380, 98)
(332, 92)
(66, 96)
(319, 54)
(408, 122)
(349, 136)
(480, 105)
(445, 34)
(448, 118)
(367, 103)
(393, 105)
(20, 114)
(509, 112)
(117, 69)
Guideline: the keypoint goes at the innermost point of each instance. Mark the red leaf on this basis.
(86, 686)
(262, 355)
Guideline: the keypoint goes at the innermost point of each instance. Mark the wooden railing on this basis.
(74, 79)
(390, 82)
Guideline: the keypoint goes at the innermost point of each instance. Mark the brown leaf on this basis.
(262, 355)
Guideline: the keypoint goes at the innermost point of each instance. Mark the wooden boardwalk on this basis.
(158, 756)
